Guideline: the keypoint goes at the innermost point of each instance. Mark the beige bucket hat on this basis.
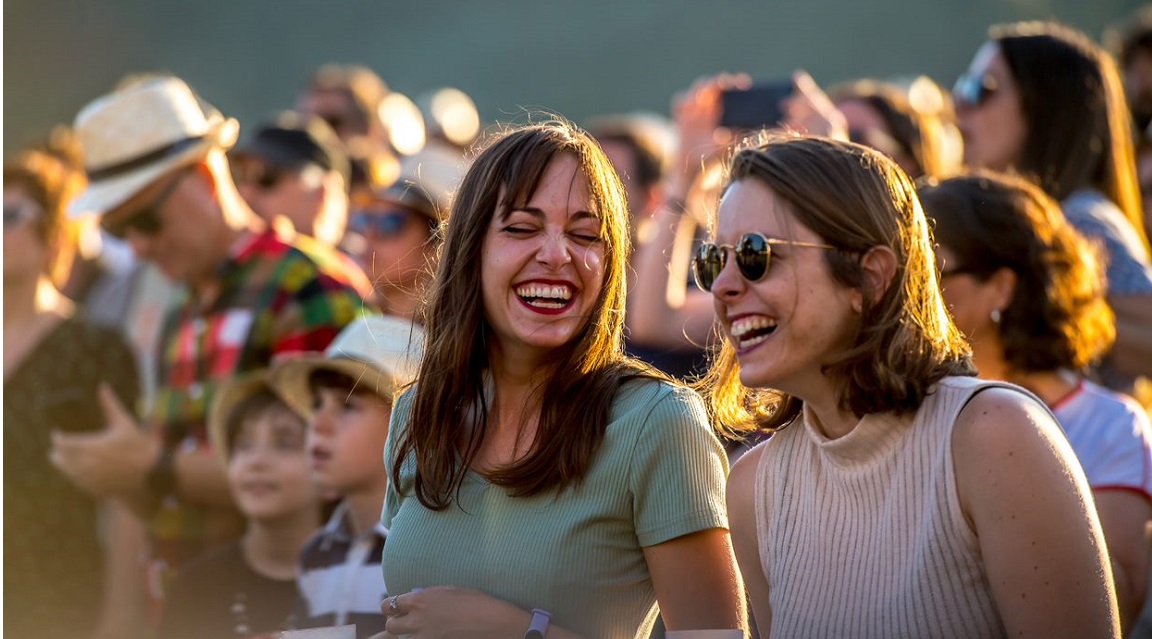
(230, 395)
(381, 353)
(138, 133)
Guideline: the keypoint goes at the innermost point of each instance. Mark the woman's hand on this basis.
(697, 113)
(448, 611)
(811, 111)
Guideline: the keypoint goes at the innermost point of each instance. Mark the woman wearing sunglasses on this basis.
(1044, 101)
(394, 232)
(899, 495)
(69, 559)
(542, 483)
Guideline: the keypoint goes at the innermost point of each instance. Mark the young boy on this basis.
(248, 588)
(346, 395)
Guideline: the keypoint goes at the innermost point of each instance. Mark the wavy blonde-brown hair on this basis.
(854, 198)
(1058, 316)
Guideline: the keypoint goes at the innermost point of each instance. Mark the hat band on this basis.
(176, 148)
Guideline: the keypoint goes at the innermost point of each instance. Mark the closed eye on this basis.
(586, 238)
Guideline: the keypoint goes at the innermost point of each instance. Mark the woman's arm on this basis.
(663, 309)
(697, 583)
(742, 515)
(1123, 516)
(449, 611)
(1027, 500)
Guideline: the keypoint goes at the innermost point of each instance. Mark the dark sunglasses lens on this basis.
(144, 222)
(388, 224)
(706, 266)
(752, 256)
(147, 222)
(268, 179)
(12, 215)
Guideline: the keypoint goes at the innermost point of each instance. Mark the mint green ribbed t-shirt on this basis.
(659, 474)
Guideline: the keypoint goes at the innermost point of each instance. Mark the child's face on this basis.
(346, 440)
(268, 471)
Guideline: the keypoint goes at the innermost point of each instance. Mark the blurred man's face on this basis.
(295, 194)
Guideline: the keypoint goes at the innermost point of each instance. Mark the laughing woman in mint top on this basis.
(899, 496)
(541, 480)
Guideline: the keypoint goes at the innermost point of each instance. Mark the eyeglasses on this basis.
(960, 270)
(146, 220)
(18, 213)
(974, 90)
(263, 176)
(753, 253)
(379, 223)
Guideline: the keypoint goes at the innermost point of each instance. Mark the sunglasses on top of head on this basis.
(974, 90)
(753, 252)
(146, 220)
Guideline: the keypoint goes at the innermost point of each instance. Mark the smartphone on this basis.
(756, 107)
(72, 409)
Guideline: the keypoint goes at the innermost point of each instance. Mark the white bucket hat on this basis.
(138, 133)
(381, 353)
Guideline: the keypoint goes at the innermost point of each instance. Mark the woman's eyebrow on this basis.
(539, 213)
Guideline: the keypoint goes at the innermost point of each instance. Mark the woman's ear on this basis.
(1003, 283)
(878, 267)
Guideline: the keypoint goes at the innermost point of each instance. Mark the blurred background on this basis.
(579, 58)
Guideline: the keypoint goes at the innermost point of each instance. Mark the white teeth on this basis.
(540, 291)
(746, 325)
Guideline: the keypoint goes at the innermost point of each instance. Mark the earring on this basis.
(995, 316)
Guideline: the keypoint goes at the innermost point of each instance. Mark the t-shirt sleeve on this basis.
(400, 413)
(1120, 454)
(1128, 268)
(678, 470)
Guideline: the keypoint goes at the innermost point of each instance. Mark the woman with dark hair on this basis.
(1044, 101)
(1027, 290)
(540, 479)
(63, 575)
(898, 496)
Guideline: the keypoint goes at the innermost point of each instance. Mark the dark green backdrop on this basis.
(578, 58)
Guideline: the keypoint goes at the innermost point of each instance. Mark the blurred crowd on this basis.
(208, 323)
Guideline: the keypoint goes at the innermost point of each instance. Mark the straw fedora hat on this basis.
(231, 394)
(381, 353)
(138, 133)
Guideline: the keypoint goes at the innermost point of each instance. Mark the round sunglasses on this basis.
(753, 253)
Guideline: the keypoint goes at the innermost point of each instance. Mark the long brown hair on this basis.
(1079, 128)
(449, 417)
(854, 198)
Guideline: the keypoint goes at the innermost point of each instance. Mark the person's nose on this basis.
(555, 251)
(324, 417)
(729, 282)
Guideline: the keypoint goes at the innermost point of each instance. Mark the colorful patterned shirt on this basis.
(275, 299)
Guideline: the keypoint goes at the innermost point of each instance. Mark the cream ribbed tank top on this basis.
(863, 536)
